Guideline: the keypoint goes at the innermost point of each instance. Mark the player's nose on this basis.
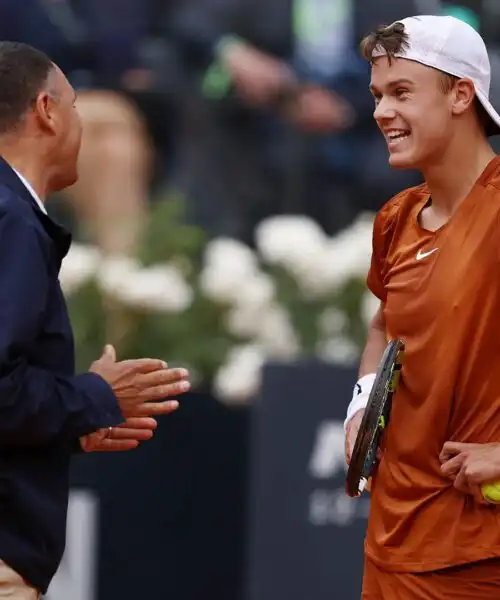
(384, 112)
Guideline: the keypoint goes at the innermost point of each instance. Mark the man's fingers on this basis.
(120, 433)
(139, 423)
(109, 353)
(452, 466)
(118, 445)
(166, 390)
(150, 409)
(163, 377)
(145, 365)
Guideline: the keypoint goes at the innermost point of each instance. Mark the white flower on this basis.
(276, 334)
(79, 266)
(159, 288)
(243, 320)
(221, 250)
(115, 269)
(369, 306)
(238, 381)
(257, 290)
(293, 242)
(332, 321)
(228, 265)
(346, 256)
(269, 326)
(338, 350)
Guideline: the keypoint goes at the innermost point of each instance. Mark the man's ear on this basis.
(464, 94)
(44, 111)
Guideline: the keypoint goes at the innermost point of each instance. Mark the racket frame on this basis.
(375, 419)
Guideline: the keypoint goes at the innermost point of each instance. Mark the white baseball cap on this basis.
(454, 47)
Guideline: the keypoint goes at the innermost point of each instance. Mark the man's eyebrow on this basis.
(393, 84)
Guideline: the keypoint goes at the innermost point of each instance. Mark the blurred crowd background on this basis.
(244, 110)
(197, 96)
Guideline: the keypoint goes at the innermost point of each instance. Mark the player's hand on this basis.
(470, 465)
(351, 434)
(141, 385)
(126, 436)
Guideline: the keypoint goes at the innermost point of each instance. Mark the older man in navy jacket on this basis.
(46, 411)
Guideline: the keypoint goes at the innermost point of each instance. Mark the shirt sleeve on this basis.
(36, 405)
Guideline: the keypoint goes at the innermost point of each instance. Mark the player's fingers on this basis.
(347, 449)
(461, 482)
(351, 434)
(453, 448)
(451, 467)
(149, 409)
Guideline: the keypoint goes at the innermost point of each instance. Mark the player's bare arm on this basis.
(375, 345)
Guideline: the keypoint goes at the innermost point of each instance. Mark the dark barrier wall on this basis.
(306, 535)
(172, 513)
(177, 518)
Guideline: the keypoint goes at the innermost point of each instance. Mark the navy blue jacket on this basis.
(44, 407)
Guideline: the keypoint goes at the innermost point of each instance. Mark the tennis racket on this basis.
(375, 419)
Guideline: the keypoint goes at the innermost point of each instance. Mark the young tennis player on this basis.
(436, 270)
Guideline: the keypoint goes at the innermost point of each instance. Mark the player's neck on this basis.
(453, 177)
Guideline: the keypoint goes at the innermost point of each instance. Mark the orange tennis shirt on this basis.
(442, 298)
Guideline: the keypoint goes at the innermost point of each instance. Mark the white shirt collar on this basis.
(28, 186)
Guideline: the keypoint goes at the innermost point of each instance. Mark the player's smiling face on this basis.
(412, 111)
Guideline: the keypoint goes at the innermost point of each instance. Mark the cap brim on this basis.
(493, 127)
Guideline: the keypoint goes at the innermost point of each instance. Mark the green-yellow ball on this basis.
(491, 492)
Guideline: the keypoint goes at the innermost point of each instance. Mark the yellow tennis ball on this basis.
(491, 492)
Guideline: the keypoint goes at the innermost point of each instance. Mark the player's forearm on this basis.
(372, 355)
(375, 344)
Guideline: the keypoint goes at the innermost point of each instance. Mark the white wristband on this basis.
(360, 396)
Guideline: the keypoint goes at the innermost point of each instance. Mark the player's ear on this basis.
(464, 94)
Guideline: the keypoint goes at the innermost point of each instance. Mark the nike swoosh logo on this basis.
(421, 255)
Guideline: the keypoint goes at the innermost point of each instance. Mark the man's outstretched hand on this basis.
(141, 387)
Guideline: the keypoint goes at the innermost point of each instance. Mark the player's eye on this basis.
(401, 93)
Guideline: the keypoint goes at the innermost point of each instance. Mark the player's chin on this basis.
(403, 160)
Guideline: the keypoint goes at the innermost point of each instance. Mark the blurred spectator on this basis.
(98, 44)
(279, 116)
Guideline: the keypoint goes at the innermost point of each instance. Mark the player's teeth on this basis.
(398, 136)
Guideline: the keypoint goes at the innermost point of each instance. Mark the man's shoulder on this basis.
(14, 207)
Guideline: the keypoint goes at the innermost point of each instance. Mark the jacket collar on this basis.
(60, 235)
